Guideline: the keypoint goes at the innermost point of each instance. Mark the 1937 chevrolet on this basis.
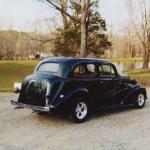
(76, 86)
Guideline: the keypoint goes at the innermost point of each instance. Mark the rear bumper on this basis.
(35, 108)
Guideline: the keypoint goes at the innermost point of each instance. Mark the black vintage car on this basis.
(77, 86)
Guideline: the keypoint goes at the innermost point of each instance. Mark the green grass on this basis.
(143, 76)
(139, 73)
(126, 60)
(14, 71)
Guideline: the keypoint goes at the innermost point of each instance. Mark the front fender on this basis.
(134, 89)
(67, 97)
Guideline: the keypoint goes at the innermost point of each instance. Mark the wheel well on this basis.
(79, 95)
(132, 96)
(144, 92)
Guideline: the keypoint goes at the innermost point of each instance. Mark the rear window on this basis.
(48, 67)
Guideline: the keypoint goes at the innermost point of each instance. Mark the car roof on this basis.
(70, 60)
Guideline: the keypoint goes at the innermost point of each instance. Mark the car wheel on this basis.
(80, 110)
(140, 100)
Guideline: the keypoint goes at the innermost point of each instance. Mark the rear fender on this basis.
(134, 89)
(68, 97)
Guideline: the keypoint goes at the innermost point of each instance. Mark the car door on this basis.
(108, 84)
(85, 76)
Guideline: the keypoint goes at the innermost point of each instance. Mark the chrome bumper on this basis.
(35, 108)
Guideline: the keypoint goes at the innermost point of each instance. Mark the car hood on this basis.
(128, 80)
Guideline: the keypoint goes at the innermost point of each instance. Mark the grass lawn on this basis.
(126, 60)
(14, 71)
(139, 72)
(142, 75)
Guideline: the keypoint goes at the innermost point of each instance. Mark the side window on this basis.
(84, 70)
(106, 70)
(100, 69)
(90, 67)
(79, 71)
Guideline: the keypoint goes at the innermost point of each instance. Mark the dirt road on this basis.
(117, 129)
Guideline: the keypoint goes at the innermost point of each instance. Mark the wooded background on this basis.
(82, 32)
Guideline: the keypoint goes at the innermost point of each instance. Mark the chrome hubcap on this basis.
(81, 110)
(141, 99)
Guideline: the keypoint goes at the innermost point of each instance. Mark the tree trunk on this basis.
(84, 9)
(146, 59)
(83, 38)
(146, 53)
(63, 4)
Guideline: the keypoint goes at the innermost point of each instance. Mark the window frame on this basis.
(37, 69)
(104, 75)
(85, 65)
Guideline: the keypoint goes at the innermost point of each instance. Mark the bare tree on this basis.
(62, 5)
(129, 26)
(64, 8)
(84, 25)
(141, 23)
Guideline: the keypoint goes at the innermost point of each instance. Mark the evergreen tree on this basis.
(69, 43)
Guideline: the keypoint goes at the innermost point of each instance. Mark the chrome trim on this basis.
(51, 106)
(47, 93)
(36, 108)
(141, 99)
(81, 110)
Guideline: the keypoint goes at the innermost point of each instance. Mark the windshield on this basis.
(49, 67)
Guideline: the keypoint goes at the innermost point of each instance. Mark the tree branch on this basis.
(44, 41)
(62, 11)
(41, 40)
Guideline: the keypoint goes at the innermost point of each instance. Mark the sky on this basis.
(24, 15)
(115, 12)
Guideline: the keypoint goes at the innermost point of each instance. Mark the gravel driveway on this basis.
(116, 129)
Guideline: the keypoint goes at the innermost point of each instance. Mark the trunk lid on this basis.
(34, 89)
